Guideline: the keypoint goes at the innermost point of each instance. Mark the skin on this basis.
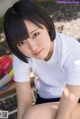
(49, 111)
(40, 46)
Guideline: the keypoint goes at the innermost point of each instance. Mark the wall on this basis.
(4, 5)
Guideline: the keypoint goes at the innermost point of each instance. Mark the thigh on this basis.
(76, 112)
(42, 111)
(48, 111)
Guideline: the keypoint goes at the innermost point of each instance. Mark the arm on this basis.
(24, 97)
(23, 89)
(68, 101)
(71, 92)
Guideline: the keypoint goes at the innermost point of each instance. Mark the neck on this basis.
(50, 52)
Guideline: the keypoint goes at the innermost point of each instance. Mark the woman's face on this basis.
(38, 45)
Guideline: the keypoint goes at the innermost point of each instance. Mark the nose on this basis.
(33, 45)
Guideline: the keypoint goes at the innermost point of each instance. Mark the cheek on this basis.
(45, 39)
(45, 42)
(21, 49)
(24, 50)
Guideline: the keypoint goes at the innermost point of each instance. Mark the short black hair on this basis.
(15, 29)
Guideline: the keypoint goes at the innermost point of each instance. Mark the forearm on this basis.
(63, 116)
(22, 109)
(68, 102)
(24, 98)
(65, 110)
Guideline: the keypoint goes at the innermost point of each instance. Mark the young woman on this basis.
(54, 59)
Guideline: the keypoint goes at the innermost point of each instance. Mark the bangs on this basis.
(17, 33)
(29, 11)
(20, 32)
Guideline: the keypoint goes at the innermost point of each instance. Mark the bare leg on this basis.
(76, 112)
(42, 111)
(48, 111)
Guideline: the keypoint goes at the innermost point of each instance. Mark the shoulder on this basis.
(21, 70)
(66, 44)
(19, 63)
(66, 41)
(67, 47)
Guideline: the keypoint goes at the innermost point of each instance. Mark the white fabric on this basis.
(51, 76)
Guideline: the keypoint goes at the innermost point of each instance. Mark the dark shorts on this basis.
(41, 100)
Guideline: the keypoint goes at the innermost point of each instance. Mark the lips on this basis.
(37, 53)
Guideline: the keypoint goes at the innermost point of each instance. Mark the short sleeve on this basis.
(72, 68)
(21, 70)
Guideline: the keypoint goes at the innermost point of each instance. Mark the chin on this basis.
(40, 57)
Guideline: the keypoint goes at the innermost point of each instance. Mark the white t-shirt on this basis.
(51, 76)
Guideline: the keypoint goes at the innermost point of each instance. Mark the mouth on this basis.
(38, 52)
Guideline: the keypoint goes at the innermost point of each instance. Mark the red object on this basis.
(5, 63)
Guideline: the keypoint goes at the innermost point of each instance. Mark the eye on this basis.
(20, 43)
(36, 34)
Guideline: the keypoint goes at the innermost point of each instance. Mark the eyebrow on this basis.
(33, 31)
